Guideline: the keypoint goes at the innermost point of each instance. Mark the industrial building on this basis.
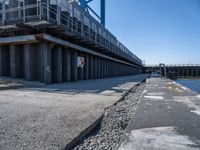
(57, 41)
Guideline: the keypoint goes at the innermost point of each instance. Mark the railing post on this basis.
(72, 21)
(19, 9)
(24, 11)
(3, 12)
(40, 9)
(82, 24)
(48, 3)
(58, 14)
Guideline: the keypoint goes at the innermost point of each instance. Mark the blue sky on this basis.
(166, 31)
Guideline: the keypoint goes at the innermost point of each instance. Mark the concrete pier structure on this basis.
(43, 40)
(54, 64)
(180, 71)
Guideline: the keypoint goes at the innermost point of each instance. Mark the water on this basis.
(191, 84)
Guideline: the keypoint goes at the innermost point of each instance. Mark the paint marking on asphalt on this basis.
(196, 112)
(198, 96)
(187, 101)
(154, 97)
(156, 94)
(158, 138)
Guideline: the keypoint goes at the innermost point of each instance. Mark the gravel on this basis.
(108, 134)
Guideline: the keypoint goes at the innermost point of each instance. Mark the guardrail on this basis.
(176, 65)
(69, 16)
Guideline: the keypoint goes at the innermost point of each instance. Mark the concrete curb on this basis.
(83, 134)
(88, 130)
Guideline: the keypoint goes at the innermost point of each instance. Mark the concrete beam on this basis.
(18, 40)
(41, 37)
(77, 47)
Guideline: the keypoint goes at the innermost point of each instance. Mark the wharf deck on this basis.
(167, 118)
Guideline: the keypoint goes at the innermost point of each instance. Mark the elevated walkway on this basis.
(63, 19)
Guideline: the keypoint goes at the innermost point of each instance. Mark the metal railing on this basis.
(176, 65)
(70, 19)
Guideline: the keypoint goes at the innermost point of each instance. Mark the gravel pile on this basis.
(108, 134)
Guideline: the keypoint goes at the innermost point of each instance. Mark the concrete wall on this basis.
(52, 63)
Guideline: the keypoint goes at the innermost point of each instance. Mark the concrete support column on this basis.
(74, 70)
(1, 61)
(98, 68)
(17, 61)
(104, 68)
(86, 67)
(95, 70)
(28, 62)
(91, 67)
(66, 59)
(109, 68)
(183, 72)
(56, 64)
(192, 72)
(13, 62)
(112, 69)
(178, 72)
(101, 68)
(199, 72)
(40, 62)
(47, 63)
(80, 70)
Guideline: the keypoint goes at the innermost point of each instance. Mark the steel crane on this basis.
(85, 6)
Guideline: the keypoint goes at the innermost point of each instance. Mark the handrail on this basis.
(55, 15)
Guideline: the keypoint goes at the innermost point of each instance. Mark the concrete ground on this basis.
(50, 117)
(8, 83)
(167, 118)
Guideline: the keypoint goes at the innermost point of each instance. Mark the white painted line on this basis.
(188, 102)
(198, 96)
(154, 97)
(196, 112)
(145, 91)
(156, 94)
